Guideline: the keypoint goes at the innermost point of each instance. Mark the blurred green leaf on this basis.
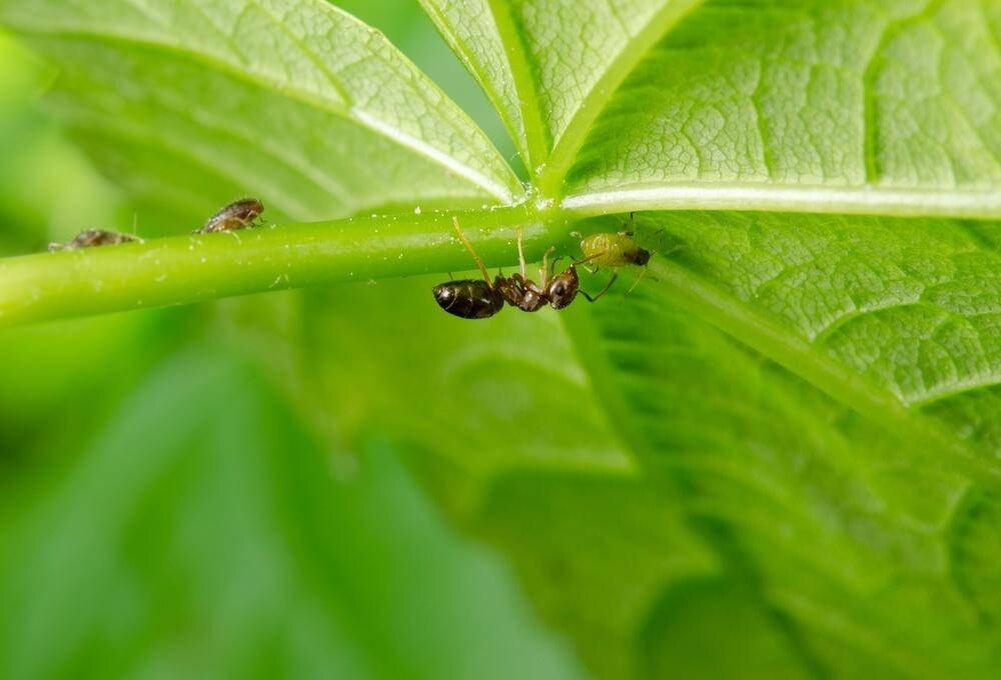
(236, 99)
(34, 157)
(848, 548)
(60, 382)
(203, 533)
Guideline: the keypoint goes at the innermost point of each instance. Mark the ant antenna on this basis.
(552, 265)
(469, 247)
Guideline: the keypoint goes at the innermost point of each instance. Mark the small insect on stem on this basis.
(92, 238)
(237, 215)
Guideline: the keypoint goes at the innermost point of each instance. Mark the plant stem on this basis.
(183, 269)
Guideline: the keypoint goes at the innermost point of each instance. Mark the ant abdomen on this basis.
(469, 298)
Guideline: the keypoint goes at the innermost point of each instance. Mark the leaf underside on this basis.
(786, 440)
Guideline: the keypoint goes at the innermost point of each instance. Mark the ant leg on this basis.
(603, 290)
(636, 282)
(552, 264)
(521, 254)
(544, 269)
(469, 247)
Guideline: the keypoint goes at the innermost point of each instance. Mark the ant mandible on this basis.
(475, 299)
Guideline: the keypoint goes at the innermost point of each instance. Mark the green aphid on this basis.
(613, 250)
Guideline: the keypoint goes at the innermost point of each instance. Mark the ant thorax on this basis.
(521, 293)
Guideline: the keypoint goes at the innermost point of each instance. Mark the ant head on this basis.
(563, 288)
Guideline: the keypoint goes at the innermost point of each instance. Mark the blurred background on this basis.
(174, 502)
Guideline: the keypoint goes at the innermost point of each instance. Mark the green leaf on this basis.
(814, 106)
(549, 67)
(508, 430)
(203, 533)
(791, 425)
(228, 98)
(847, 546)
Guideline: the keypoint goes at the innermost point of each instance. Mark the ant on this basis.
(237, 215)
(91, 238)
(475, 299)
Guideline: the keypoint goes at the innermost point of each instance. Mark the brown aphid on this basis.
(237, 215)
(92, 238)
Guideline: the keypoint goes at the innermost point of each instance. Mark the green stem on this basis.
(183, 269)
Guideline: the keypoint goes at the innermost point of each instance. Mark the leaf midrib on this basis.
(805, 199)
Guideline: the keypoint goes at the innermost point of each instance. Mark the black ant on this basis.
(237, 215)
(475, 299)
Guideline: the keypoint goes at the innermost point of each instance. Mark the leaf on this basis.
(845, 107)
(203, 533)
(548, 66)
(508, 430)
(848, 548)
(791, 424)
(228, 98)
